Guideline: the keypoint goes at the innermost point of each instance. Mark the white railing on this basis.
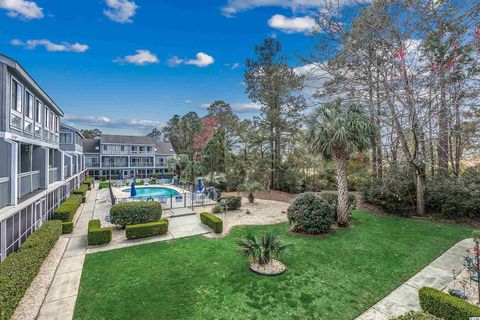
(52, 175)
(28, 182)
(4, 191)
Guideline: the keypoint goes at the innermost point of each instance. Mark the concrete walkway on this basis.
(437, 274)
(59, 303)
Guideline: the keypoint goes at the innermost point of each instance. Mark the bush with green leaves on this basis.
(104, 185)
(19, 269)
(454, 198)
(96, 234)
(262, 248)
(231, 202)
(82, 190)
(331, 197)
(416, 316)
(137, 212)
(445, 306)
(67, 227)
(89, 181)
(144, 230)
(212, 221)
(66, 211)
(310, 213)
(394, 192)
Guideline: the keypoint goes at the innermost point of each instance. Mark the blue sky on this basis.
(126, 66)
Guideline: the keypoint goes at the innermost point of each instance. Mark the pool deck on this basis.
(120, 194)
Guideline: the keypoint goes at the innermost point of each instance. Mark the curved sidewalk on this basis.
(437, 274)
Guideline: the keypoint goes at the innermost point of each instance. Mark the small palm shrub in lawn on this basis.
(124, 214)
(309, 213)
(262, 248)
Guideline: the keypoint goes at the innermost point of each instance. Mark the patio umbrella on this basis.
(200, 186)
(133, 192)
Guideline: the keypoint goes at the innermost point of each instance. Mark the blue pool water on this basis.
(153, 192)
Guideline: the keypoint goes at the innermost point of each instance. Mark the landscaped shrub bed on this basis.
(310, 213)
(20, 268)
(67, 227)
(145, 230)
(82, 191)
(66, 212)
(124, 214)
(89, 181)
(98, 235)
(331, 197)
(445, 306)
(212, 221)
(228, 203)
(416, 316)
(103, 185)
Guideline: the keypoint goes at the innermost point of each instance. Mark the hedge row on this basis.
(145, 230)
(103, 185)
(82, 191)
(66, 212)
(89, 182)
(98, 235)
(129, 213)
(212, 221)
(416, 316)
(20, 268)
(445, 306)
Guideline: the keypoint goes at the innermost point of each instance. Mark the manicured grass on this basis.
(332, 277)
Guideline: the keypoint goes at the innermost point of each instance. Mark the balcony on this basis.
(92, 164)
(141, 164)
(52, 175)
(4, 191)
(28, 182)
(115, 165)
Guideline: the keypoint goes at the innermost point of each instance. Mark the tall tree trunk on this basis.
(379, 128)
(420, 191)
(341, 164)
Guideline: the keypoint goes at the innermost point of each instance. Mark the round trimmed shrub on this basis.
(310, 213)
(128, 213)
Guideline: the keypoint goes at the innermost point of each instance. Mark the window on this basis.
(65, 138)
(28, 105)
(16, 96)
(105, 147)
(57, 124)
(46, 118)
(38, 111)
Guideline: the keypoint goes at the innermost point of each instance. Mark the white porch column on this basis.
(62, 165)
(3, 247)
(14, 173)
(46, 169)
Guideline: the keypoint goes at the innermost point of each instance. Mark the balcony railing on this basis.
(4, 191)
(92, 165)
(28, 182)
(52, 175)
(66, 170)
(115, 165)
(141, 164)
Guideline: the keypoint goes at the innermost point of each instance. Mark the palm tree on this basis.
(337, 130)
(262, 248)
(178, 163)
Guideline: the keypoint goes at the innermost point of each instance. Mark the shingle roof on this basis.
(91, 145)
(164, 148)
(113, 138)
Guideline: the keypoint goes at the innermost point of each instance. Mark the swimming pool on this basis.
(153, 192)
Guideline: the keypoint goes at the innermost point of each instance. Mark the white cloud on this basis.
(120, 11)
(292, 25)
(140, 58)
(202, 60)
(107, 122)
(233, 66)
(51, 46)
(315, 77)
(188, 101)
(27, 10)
(174, 61)
(235, 6)
(246, 107)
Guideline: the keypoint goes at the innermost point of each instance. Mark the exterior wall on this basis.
(19, 222)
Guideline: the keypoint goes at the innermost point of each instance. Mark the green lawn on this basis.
(333, 277)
